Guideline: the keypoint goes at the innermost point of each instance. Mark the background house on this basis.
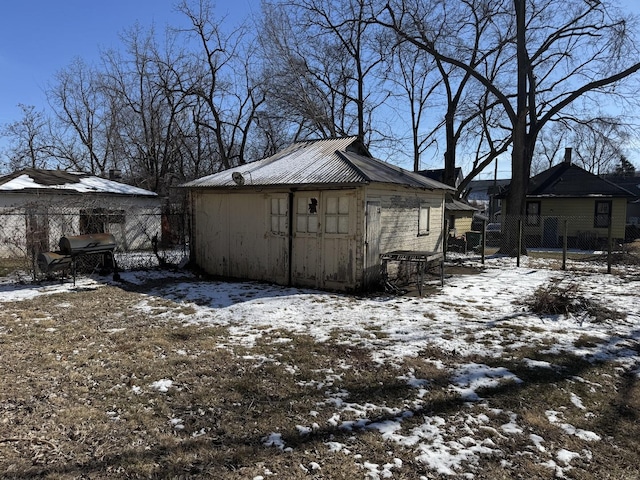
(317, 214)
(458, 213)
(589, 205)
(485, 195)
(37, 207)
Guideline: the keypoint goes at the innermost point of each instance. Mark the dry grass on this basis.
(76, 401)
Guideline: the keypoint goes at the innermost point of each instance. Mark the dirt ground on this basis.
(73, 406)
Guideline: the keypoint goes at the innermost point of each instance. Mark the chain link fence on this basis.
(147, 234)
(602, 240)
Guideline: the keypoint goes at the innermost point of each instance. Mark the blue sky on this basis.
(40, 37)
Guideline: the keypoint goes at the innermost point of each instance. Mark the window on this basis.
(337, 215)
(602, 215)
(99, 220)
(307, 215)
(279, 216)
(533, 213)
(423, 219)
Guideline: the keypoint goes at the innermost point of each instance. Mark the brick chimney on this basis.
(567, 155)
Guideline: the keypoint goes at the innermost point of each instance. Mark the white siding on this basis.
(61, 215)
(400, 216)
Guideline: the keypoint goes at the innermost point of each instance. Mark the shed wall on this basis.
(400, 214)
(241, 234)
(232, 237)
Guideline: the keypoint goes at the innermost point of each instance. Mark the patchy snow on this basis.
(473, 376)
(555, 417)
(162, 385)
(577, 401)
(475, 316)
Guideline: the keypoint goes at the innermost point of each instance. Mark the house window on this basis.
(99, 220)
(423, 219)
(279, 216)
(337, 215)
(307, 215)
(602, 215)
(533, 213)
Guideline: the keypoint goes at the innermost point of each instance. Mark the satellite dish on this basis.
(237, 178)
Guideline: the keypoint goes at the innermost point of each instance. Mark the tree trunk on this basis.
(520, 163)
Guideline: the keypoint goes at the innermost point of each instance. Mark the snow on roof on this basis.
(56, 181)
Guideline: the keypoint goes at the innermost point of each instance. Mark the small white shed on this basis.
(317, 214)
(38, 207)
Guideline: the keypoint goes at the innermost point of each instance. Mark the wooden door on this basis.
(306, 239)
(337, 241)
(372, 244)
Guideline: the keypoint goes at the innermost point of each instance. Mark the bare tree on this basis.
(549, 55)
(598, 144)
(81, 106)
(412, 83)
(324, 56)
(221, 76)
(30, 143)
(549, 147)
(141, 84)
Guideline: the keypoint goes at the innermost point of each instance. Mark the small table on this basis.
(424, 260)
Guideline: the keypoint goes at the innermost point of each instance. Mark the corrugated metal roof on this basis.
(319, 162)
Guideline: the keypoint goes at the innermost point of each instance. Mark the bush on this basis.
(559, 299)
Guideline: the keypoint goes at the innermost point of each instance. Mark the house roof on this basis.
(451, 204)
(628, 183)
(568, 180)
(483, 189)
(33, 180)
(438, 174)
(337, 161)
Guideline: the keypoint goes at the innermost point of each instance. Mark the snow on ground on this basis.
(462, 318)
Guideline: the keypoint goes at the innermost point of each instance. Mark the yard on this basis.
(172, 376)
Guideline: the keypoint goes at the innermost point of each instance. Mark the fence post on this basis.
(483, 243)
(609, 244)
(564, 244)
(445, 240)
(519, 241)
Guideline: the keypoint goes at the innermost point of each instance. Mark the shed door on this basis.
(372, 244)
(338, 239)
(277, 261)
(306, 238)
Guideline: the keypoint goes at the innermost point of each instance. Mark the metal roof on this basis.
(458, 205)
(318, 162)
